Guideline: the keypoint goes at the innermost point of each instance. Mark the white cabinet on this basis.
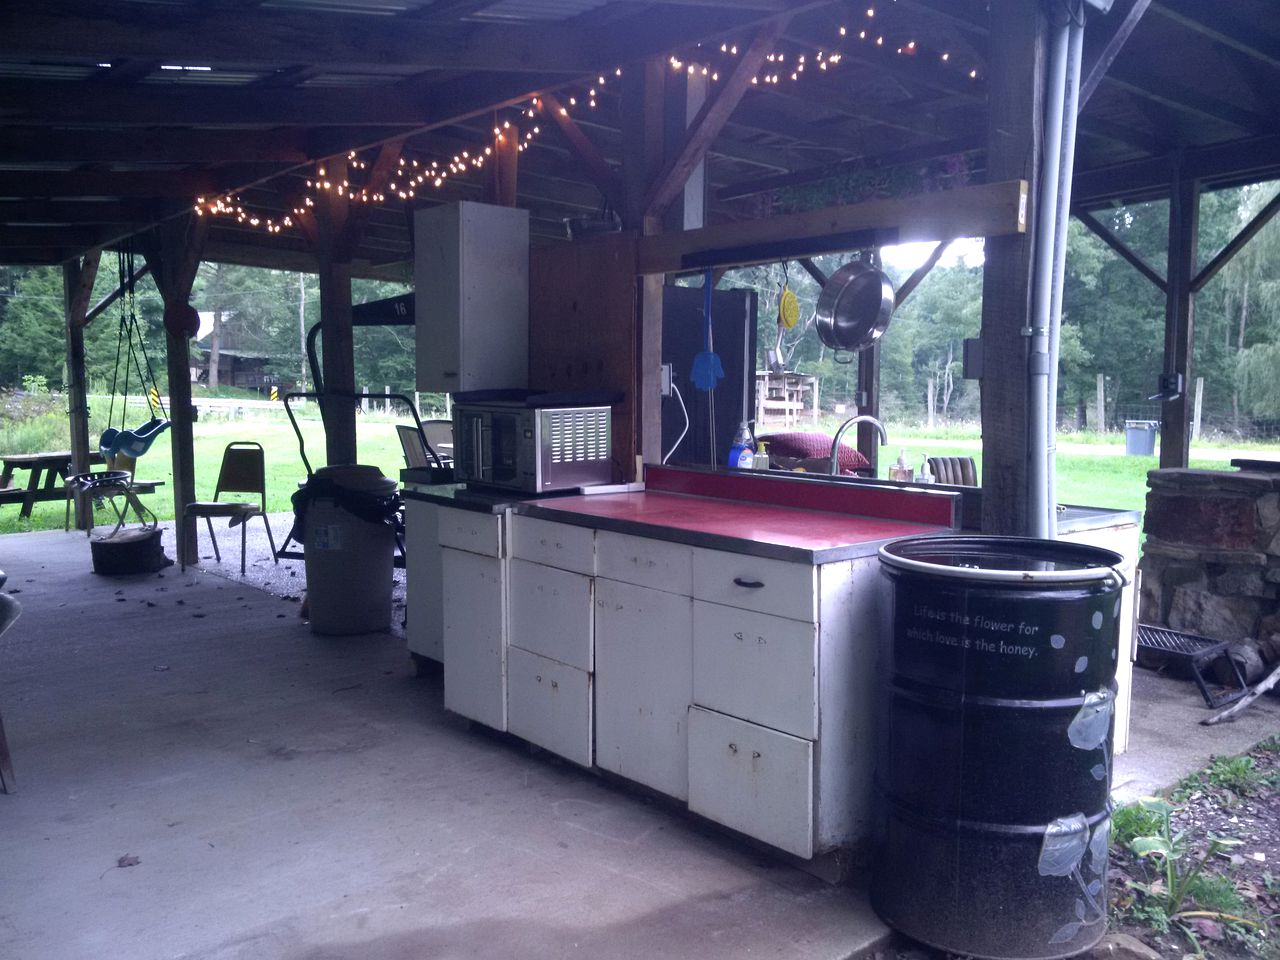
(475, 646)
(551, 613)
(550, 704)
(753, 779)
(644, 684)
(424, 580)
(471, 279)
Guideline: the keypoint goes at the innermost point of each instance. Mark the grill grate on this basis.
(1198, 653)
(1171, 641)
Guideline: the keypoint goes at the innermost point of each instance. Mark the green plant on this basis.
(36, 383)
(1132, 821)
(1237, 776)
(1183, 879)
(1175, 857)
(1214, 892)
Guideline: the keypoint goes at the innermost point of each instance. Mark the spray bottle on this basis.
(743, 449)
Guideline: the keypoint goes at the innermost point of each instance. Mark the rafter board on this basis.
(979, 211)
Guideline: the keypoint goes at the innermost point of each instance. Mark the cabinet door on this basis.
(755, 780)
(549, 704)
(756, 666)
(424, 575)
(475, 647)
(644, 681)
(551, 613)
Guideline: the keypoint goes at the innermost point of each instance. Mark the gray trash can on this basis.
(349, 555)
(1140, 437)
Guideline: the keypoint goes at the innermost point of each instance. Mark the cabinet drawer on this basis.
(471, 531)
(754, 583)
(549, 704)
(755, 780)
(551, 613)
(756, 666)
(474, 637)
(555, 544)
(648, 563)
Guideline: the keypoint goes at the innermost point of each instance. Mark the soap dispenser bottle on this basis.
(900, 471)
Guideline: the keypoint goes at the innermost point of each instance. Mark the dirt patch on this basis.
(1236, 798)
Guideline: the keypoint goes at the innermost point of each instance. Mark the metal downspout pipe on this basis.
(1066, 177)
(1052, 216)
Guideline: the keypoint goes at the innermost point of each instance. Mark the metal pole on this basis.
(1038, 506)
(1066, 166)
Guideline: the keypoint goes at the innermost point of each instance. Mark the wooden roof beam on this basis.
(587, 153)
(1210, 21)
(1116, 28)
(1185, 99)
(161, 145)
(711, 119)
(185, 185)
(201, 34)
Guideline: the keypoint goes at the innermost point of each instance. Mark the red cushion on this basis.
(804, 445)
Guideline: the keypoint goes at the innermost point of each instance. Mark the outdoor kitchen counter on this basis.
(776, 516)
(764, 530)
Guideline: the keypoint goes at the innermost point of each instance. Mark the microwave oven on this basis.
(520, 446)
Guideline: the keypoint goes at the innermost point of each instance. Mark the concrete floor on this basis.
(291, 796)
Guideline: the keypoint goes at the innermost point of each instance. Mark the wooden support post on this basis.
(1015, 135)
(77, 285)
(642, 145)
(173, 253)
(503, 168)
(1179, 318)
(869, 403)
(329, 233)
(337, 360)
(642, 140)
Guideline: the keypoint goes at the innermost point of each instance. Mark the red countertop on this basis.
(798, 529)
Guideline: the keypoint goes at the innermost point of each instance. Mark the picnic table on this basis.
(51, 468)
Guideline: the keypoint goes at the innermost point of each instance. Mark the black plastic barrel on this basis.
(994, 766)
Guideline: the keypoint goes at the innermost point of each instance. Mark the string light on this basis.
(437, 176)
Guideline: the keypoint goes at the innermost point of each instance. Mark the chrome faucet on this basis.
(835, 445)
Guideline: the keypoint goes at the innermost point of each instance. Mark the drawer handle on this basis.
(755, 754)
(749, 584)
(733, 748)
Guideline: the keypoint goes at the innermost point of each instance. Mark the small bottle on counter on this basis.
(900, 471)
(761, 460)
(926, 474)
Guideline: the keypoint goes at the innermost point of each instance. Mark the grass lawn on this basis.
(1103, 479)
(378, 445)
